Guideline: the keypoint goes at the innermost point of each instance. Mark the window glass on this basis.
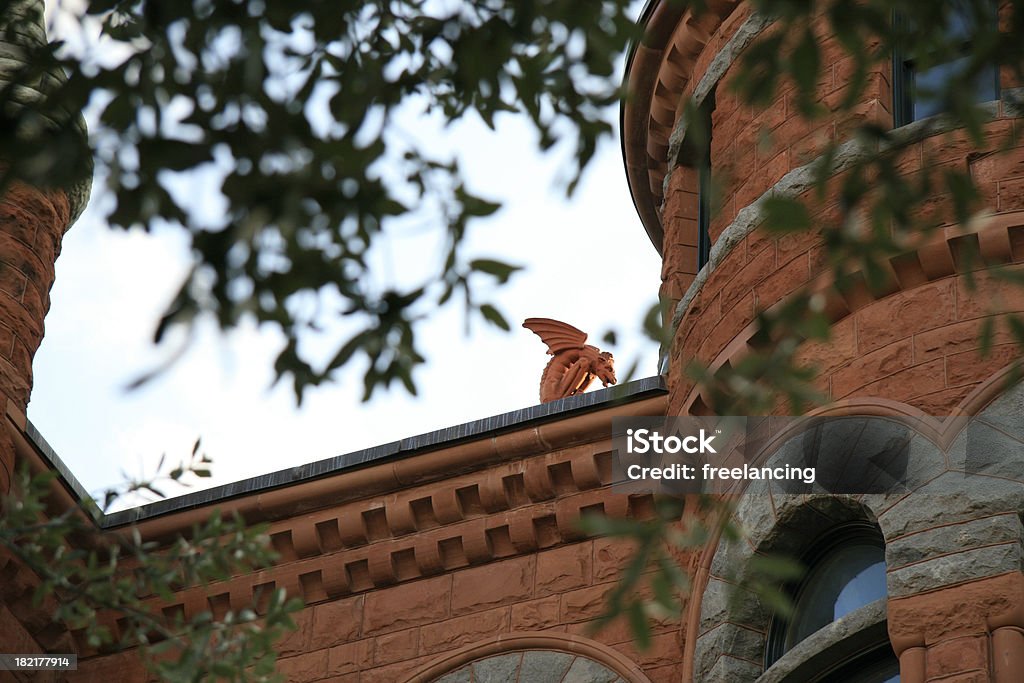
(704, 186)
(704, 211)
(928, 83)
(845, 571)
(846, 579)
(917, 90)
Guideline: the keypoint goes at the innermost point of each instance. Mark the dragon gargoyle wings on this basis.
(574, 364)
(557, 335)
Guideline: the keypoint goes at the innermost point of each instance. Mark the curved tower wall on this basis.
(32, 224)
(954, 608)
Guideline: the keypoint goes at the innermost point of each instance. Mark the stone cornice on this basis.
(491, 490)
(935, 258)
(377, 470)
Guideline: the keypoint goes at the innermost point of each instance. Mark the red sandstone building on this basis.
(455, 556)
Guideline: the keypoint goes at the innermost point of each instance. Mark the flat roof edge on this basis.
(441, 438)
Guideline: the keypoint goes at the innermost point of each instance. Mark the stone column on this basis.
(970, 632)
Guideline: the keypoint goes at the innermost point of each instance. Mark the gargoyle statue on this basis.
(575, 364)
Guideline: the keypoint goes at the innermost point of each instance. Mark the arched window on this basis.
(554, 657)
(845, 572)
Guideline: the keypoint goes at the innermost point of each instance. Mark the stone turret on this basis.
(954, 611)
(33, 221)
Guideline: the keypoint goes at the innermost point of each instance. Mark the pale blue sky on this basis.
(588, 261)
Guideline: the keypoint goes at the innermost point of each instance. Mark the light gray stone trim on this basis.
(585, 670)
(738, 641)
(843, 638)
(498, 669)
(935, 543)
(717, 68)
(1012, 100)
(944, 528)
(460, 676)
(545, 666)
(728, 669)
(535, 666)
(801, 179)
(950, 498)
(949, 570)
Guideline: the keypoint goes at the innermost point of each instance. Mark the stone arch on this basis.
(543, 658)
(951, 522)
(733, 629)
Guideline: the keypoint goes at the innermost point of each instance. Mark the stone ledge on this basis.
(847, 636)
(486, 431)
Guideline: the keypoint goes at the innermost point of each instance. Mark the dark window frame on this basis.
(837, 537)
(704, 183)
(903, 76)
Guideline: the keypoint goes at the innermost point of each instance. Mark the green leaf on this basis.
(492, 316)
(785, 215)
(638, 625)
(777, 567)
(806, 62)
(500, 270)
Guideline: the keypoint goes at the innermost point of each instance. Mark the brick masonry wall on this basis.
(394, 582)
(761, 269)
(751, 152)
(390, 633)
(32, 224)
(916, 341)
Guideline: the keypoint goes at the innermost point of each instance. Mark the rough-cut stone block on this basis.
(723, 602)
(873, 366)
(535, 614)
(665, 648)
(585, 603)
(731, 670)
(993, 447)
(957, 655)
(447, 635)
(953, 538)
(297, 641)
(563, 569)
(923, 308)
(350, 657)
(957, 568)
(951, 497)
(760, 267)
(405, 605)
(731, 638)
(491, 585)
(396, 647)
(392, 672)
(336, 622)
(304, 668)
(611, 555)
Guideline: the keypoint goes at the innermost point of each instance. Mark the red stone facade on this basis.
(32, 224)
(428, 563)
(910, 349)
